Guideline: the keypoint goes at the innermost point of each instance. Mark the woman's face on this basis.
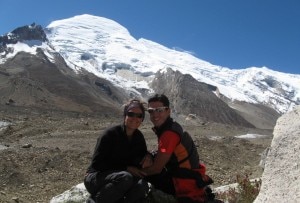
(158, 113)
(133, 118)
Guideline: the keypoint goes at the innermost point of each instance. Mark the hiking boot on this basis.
(90, 200)
(159, 196)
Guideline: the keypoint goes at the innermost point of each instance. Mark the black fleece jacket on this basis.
(114, 151)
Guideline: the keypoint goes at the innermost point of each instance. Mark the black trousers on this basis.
(163, 182)
(115, 186)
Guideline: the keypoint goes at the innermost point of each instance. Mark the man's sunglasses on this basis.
(135, 115)
(158, 110)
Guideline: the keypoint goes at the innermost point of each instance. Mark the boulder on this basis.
(77, 194)
(281, 176)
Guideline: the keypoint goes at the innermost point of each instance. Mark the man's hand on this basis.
(147, 161)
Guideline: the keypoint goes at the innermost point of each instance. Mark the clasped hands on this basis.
(147, 161)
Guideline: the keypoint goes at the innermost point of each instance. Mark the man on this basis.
(175, 169)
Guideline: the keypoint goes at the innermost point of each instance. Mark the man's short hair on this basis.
(160, 98)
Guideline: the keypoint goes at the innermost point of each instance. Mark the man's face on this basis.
(158, 113)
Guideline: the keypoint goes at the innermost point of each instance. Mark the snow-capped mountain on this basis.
(105, 48)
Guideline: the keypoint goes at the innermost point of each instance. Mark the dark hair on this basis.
(160, 98)
(132, 104)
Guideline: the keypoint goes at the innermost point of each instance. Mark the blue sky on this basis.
(231, 33)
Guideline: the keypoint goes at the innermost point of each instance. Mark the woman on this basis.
(114, 174)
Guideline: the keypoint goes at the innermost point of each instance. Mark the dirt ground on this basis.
(43, 153)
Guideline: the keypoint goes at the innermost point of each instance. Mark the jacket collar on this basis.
(166, 125)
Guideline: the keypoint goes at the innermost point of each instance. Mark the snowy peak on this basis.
(108, 42)
(96, 41)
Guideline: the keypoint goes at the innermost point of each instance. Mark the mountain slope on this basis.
(41, 83)
(88, 63)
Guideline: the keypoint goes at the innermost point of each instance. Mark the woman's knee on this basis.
(125, 178)
(90, 183)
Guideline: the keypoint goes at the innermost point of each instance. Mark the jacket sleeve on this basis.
(101, 153)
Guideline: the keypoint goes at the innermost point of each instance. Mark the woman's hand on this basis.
(136, 171)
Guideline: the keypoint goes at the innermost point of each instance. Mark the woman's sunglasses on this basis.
(135, 115)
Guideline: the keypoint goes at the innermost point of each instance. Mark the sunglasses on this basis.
(158, 110)
(135, 115)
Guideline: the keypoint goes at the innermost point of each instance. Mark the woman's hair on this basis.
(160, 98)
(133, 104)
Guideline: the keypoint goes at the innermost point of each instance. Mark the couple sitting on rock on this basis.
(122, 170)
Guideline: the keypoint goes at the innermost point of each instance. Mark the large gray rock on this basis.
(76, 194)
(281, 176)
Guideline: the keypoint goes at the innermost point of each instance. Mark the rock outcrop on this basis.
(190, 96)
(281, 176)
(21, 34)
